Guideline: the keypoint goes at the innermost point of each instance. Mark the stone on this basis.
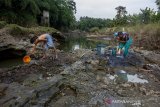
(143, 90)
(77, 66)
(105, 80)
(98, 77)
(95, 62)
(126, 85)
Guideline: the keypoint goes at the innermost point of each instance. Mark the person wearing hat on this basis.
(124, 40)
(47, 41)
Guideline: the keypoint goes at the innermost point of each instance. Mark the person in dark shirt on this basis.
(124, 40)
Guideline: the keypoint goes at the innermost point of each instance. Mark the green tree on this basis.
(158, 4)
(121, 18)
(86, 23)
(121, 12)
(26, 12)
(146, 15)
(134, 19)
(22, 12)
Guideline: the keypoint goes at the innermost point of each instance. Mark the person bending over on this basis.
(124, 40)
(47, 41)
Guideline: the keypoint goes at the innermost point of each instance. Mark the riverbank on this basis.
(81, 78)
(15, 39)
(145, 36)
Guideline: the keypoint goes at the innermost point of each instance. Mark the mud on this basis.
(81, 78)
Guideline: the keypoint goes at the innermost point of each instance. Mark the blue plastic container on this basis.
(114, 52)
(122, 76)
(101, 49)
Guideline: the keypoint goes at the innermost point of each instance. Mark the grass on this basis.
(147, 36)
(17, 30)
(2, 24)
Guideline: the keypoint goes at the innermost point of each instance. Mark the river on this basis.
(70, 44)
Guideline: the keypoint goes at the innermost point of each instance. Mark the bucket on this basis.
(122, 76)
(114, 51)
(26, 59)
(101, 49)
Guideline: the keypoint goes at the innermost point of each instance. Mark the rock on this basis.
(157, 93)
(98, 77)
(19, 95)
(104, 86)
(88, 61)
(11, 46)
(76, 85)
(154, 69)
(143, 90)
(120, 91)
(126, 85)
(135, 85)
(58, 35)
(82, 52)
(95, 62)
(150, 56)
(77, 66)
(64, 101)
(33, 80)
(6, 40)
(105, 80)
(3, 88)
(102, 62)
(16, 94)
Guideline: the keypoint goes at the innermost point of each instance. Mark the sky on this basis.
(106, 8)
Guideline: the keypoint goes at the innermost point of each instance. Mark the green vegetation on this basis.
(17, 30)
(146, 16)
(29, 12)
(147, 36)
(144, 27)
(2, 24)
(86, 23)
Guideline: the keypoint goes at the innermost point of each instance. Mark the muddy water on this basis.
(135, 78)
(80, 43)
(77, 87)
(11, 62)
(69, 45)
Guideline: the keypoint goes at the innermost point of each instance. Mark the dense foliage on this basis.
(29, 12)
(61, 12)
(86, 23)
(145, 16)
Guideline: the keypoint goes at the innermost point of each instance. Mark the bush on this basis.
(94, 29)
(2, 24)
(147, 36)
(16, 29)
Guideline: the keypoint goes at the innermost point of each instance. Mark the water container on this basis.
(101, 49)
(26, 59)
(121, 76)
(114, 51)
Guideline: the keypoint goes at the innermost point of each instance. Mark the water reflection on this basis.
(107, 38)
(75, 47)
(135, 78)
(79, 43)
(70, 44)
(11, 62)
